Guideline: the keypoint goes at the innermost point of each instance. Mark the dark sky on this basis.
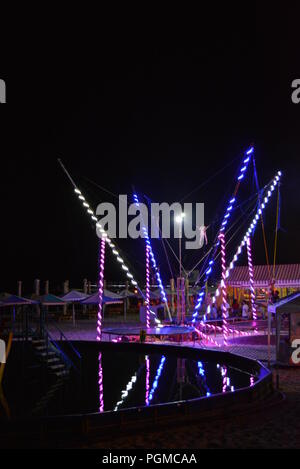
(164, 115)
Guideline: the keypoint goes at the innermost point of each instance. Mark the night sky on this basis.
(164, 115)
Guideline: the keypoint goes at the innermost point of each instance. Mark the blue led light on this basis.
(162, 290)
(157, 376)
(222, 228)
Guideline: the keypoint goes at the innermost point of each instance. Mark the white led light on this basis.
(133, 282)
(90, 211)
(124, 267)
(94, 218)
(85, 204)
(119, 259)
(81, 197)
(77, 191)
(129, 275)
(116, 253)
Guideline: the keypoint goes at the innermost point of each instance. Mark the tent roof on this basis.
(14, 300)
(51, 300)
(286, 275)
(154, 295)
(127, 294)
(74, 296)
(111, 294)
(94, 299)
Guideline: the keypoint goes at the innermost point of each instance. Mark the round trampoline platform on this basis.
(153, 331)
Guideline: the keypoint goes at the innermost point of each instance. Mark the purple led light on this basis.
(251, 278)
(224, 299)
(100, 383)
(101, 286)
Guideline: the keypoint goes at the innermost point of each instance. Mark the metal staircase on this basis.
(54, 359)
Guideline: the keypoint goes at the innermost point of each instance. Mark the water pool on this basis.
(114, 378)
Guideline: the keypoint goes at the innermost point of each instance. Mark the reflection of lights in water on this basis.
(147, 379)
(125, 392)
(226, 386)
(155, 382)
(201, 372)
(100, 382)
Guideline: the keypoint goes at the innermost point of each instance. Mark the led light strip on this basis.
(207, 338)
(225, 379)
(147, 288)
(223, 286)
(201, 372)
(220, 329)
(155, 382)
(101, 287)
(100, 383)
(154, 265)
(272, 186)
(125, 392)
(251, 278)
(104, 234)
(147, 359)
(246, 160)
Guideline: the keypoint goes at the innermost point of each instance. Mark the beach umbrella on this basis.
(51, 300)
(94, 299)
(73, 297)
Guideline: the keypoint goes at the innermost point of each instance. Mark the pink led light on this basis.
(251, 278)
(224, 378)
(223, 286)
(207, 338)
(220, 329)
(239, 249)
(101, 285)
(147, 287)
(147, 380)
(100, 383)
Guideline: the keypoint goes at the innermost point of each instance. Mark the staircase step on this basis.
(57, 367)
(44, 354)
(62, 373)
(53, 360)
